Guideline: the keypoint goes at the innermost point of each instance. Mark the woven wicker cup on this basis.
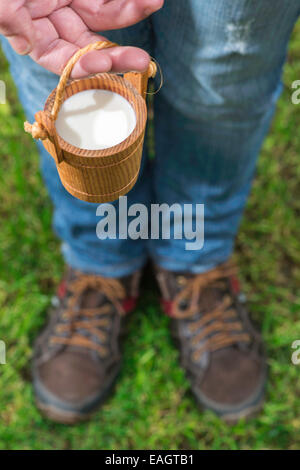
(95, 175)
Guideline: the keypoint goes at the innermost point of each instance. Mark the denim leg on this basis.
(222, 62)
(75, 221)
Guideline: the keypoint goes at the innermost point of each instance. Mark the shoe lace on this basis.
(221, 327)
(74, 319)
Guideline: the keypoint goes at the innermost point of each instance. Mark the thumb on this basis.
(17, 26)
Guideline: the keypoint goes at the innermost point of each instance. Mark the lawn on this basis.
(152, 406)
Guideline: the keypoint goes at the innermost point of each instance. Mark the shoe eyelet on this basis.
(181, 280)
(183, 304)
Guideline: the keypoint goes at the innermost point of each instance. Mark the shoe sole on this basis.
(230, 417)
(233, 417)
(248, 413)
(59, 416)
(63, 416)
(68, 417)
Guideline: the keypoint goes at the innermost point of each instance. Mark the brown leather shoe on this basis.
(77, 356)
(220, 350)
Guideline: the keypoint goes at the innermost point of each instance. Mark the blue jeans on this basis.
(222, 62)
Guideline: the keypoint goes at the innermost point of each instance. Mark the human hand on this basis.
(51, 31)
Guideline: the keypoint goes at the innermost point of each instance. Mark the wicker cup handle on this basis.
(43, 128)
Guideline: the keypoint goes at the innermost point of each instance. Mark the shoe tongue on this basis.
(210, 298)
(92, 298)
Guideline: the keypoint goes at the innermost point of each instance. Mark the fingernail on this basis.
(21, 45)
(26, 48)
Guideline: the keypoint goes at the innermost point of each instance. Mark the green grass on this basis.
(152, 406)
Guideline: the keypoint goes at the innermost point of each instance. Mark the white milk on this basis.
(95, 119)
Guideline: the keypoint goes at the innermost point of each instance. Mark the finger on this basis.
(16, 24)
(42, 8)
(119, 59)
(75, 29)
(101, 15)
(53, 53)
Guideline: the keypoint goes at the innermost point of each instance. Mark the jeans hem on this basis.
(111, 270)
(196, 268)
